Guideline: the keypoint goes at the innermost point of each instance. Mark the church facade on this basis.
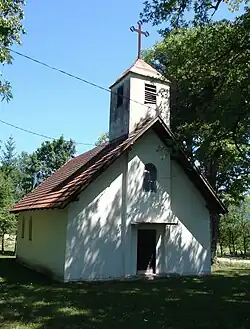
(133, 206)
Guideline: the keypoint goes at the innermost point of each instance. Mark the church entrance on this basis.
(146, 251)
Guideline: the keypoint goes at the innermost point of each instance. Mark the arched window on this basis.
(150, 178)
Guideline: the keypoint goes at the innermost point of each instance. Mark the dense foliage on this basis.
(208, 63)
(11, 29)
(234, 235)
(7, 220)
(183, 13)
(20, 174)
(104, 138)
(210, 112)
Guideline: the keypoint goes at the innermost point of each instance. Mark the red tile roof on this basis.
(45, 194)
(66, 183)
(58, 190)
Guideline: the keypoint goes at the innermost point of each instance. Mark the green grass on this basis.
(28, 300)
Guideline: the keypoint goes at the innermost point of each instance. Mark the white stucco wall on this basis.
(188, 243)
(46, 250)
(103, 223)
(94, 230)
(185, 244)
(147, 207)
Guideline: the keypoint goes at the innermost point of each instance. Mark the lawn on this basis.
(28, 300)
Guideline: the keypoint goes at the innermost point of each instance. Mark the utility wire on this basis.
(71, 75)
(37, 134)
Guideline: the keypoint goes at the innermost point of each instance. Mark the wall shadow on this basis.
(187, 245)
(94, 231)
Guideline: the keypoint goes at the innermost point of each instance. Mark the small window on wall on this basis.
(119, 96)
(30, 228)
(23, 227)
(150, 178)
(150, 94)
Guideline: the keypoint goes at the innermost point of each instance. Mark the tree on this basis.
(11, 29)
(27, 170)
(9, 166)
(235, 229)
(183, 13)
(104, 138)
(8, 158)
(210, 99)
(7, 220)
(210, 110)
(50, 156)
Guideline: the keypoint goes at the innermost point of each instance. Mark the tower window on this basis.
(119, 96)
(150, 178)
(150, 94)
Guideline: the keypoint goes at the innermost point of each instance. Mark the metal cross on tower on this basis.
(140, 33)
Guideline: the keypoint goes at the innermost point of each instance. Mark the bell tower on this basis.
(139, 93)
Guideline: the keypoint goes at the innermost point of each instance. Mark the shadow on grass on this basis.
(28, 300)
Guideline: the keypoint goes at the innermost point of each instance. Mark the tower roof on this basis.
(142, 68)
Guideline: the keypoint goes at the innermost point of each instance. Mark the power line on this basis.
(37, 134)
(72, 75)
(58, 70)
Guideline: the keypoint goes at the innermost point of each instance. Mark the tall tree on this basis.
(39, 165)
(183, 13)
(235, 229)
(8, 157)
(11, 29)
(210, 113)
(9, 166)
(210, 110)
(104, 138)
(7, 220)
(27, 170)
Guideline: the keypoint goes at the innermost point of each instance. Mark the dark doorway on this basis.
(146, 250)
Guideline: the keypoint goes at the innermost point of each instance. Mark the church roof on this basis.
(74, 176)
(142, 68)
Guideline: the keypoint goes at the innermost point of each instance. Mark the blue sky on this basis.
(90, 39)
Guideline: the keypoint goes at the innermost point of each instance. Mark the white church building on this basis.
(135, 205)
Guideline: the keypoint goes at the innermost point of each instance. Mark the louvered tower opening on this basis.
(150, 94)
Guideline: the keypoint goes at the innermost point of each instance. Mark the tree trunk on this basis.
(233, 244)
(215, 236)
(229, 242)
(3, 244)
(221, 249)
(245, 245)
(211, 174)
(15, 245)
